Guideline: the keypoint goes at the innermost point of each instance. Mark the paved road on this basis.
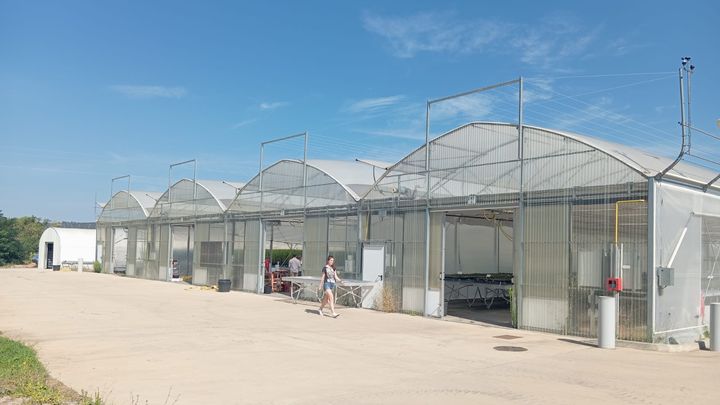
(165, 343)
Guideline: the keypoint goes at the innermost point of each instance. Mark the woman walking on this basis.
(327, 283)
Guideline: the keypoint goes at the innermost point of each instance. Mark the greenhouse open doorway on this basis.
(119, 250)
(181, 259)
(478, 265)
(284, 240)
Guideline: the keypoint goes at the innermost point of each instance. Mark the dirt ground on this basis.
(139, 341)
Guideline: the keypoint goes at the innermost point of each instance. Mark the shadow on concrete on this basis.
(577, 342)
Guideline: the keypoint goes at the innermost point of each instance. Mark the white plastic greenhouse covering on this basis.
(128, 206)
(188, 198)
(580, 207)
(329, 183)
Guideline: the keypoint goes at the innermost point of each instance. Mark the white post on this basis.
(80, 265)
(715, 327)
(606, 326)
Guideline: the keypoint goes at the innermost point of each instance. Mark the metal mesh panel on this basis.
(252, 262)
(545, 279)
(389, 229)
(153, 253)
(315, 250)
(342, 244)
(209, 253)
(238, 256)
(592, 238)
(140, 251)
(131, 250)
(163, 254)
(104, 235)
(405, 258)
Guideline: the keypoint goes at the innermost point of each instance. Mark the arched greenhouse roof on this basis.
(186, 198)
(481, 158)
(329, 183)
(128, 206)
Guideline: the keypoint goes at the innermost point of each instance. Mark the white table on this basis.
(298, 284)
(356, 290)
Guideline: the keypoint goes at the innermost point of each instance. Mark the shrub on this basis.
(386, 301)
(97, 267)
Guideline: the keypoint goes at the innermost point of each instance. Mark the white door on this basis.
(373, 268)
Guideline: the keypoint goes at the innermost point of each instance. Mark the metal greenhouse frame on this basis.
(560, 212)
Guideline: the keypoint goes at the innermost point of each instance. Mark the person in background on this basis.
(327, 284)
(295, 266)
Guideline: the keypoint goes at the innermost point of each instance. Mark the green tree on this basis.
(28, 231)
(10, 246)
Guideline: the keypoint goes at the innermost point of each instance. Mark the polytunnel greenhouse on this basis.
(521, 226)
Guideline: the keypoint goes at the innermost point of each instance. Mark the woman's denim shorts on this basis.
(328, 286)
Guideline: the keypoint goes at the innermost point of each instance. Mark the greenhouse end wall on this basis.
(687, 239)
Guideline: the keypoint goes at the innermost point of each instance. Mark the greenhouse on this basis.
(526, 225)
(125, 212)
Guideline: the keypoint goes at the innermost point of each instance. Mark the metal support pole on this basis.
(689, 122)
(715, 326)
(682, 108)
(652, 269)
(518, 295)
(606, 326)
(426, 310)
(194, 162)
(683, 124)
(305, 145)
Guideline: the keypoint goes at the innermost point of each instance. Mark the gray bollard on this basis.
(715, 327)
(606, 325)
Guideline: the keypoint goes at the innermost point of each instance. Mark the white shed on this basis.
(58, 245)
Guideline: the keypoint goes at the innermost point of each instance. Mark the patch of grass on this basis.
(23, 376)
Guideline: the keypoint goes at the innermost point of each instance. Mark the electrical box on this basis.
(614, 284)
(665, 276)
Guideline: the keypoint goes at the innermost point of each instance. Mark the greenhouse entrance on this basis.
(181, 259)
(283, 240)
(119, 250)
(478, 265)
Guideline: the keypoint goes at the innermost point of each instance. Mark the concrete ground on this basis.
(140, 341)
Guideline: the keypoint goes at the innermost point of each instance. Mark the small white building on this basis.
(58, 245)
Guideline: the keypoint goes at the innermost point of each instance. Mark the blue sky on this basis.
(93, 90)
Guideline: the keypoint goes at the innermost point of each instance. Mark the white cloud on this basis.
(544, 43)
(537, 90)
(472, 107)
(244, 123)
(430, 32)
(372, 104)
(133, 91)
(272, 105)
